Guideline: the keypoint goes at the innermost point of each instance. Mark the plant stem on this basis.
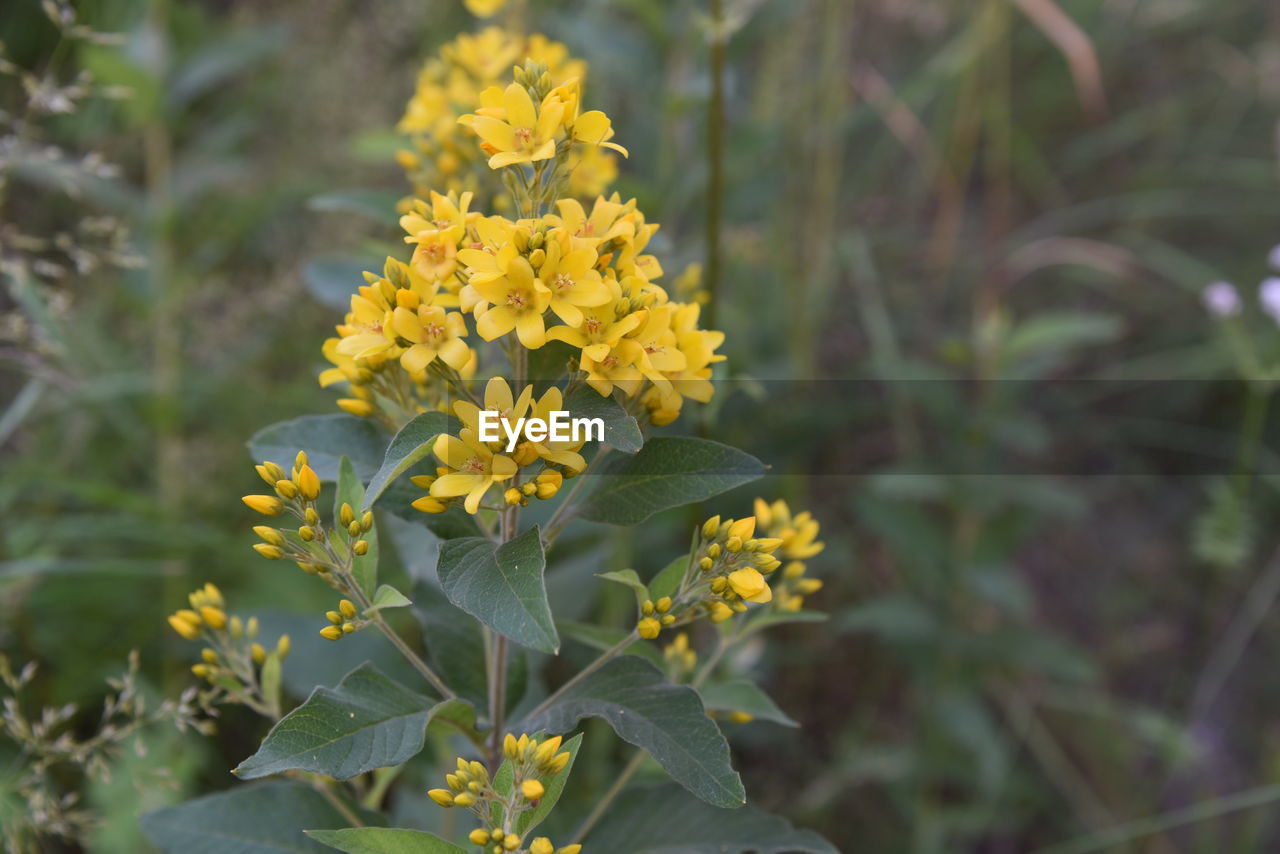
(413, 658)
(611, 652)
(608, 797)
(564, 513)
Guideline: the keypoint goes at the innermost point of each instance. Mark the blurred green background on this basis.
(1051, 627)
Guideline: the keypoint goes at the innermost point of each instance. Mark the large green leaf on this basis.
(620, 429)
(743, 695)
(667, 472)
(502, 586)
(326, 439)
(410, 445)
(267, 818)
(665, 719)
(504, 779)
(384, 840)
(367, 722)
(364, 568)
(664, 820)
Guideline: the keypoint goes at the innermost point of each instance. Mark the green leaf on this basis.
(410, 445)
(456, 714)
(665, 719)
(367, 722)
(364, 568)
(377, 205)
(387, 597)
(326, 439)
(384, 840)
(261, 819)
(621, 430)
(529, 819)
(604, 637)
(667, 472)
(630, 579)
(743, 695)
(667, 581)
(653, 819)
(502, 586)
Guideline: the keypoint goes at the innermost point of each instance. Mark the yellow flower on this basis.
(615, 369)
(526, 135)
(591, 171)
(475, 468)
(497, 398)
(750, 585)
(563, 453)
(599, 331)
(648, 628)
(434, 333)
(484, 8)
(518, 300)
(594, 128)
(570, 277)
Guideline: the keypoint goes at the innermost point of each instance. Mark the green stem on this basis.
(603, 659)
(413, 658)
(715, 158)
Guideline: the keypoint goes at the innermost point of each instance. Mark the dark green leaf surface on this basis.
(410, 445)
(667, 581)
(629, 578)
(266, 818)
(502, 586)
(667, 472)
(665, 820)
(665, 719)
(367, 722)
(326, 439)
(742, 695)
(620, 429)
(384, 840)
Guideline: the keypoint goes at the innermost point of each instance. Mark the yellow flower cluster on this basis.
(532, 762)
(730, 566)
(232, 659)
(799, 536)
(452, 84)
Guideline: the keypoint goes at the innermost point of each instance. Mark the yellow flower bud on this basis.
(767, 544)
(252, 628)
(479, 837)
(360, 547)
(209, 656)
(532, 790)
(710, 527)
(496, 833)
(267, 505)
(366, 520)
(741, 717)
(808, 585)
(286, 489)
(300, 459)
(705, 564)
(750, 585)
(308, 483)
(547, 490)
(525, 454)
(333, 617)
(541, 845)
(734, 544)
(283, 646)
(332, 633)
(569, 849)
(312, 517)
(202, 670)
(259, 654)
(188, 629)
(355, 406)
(353, 529)
(307, 533)
(348, 608)
(743, 528)
(720, 612)
(646, 607)
(511, 842)
(423, 480)
(648, 628)
(718, 585)
(667, 619)
(267, 474)
(663, 605)
(427, 504)
(529, 488)
(441, 796)
(513, 496)
(794, 570)
(215, 617)
(269, 535)
(236, 627)
(349, 628)
(713, 551)
(465, 799)
(268, 551)
(767, 563)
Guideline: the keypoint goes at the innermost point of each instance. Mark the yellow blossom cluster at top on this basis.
(445, 154)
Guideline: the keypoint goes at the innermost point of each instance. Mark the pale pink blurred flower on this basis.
(1221, 300)
(1269, 297)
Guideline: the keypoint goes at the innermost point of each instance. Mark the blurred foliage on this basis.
(1048, 621)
